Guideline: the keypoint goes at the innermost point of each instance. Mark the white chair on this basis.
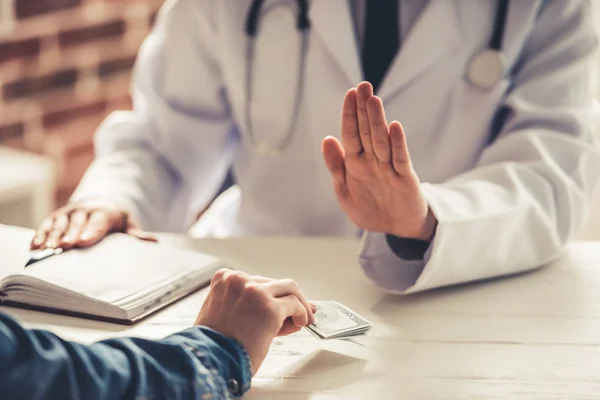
(27, 185)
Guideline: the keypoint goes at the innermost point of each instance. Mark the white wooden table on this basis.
(533, 336)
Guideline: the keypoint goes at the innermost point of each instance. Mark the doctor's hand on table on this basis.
(372, 173)
(84, 224)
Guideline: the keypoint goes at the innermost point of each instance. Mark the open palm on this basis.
(372, 174)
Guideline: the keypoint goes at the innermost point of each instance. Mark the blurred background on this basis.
(64, 65)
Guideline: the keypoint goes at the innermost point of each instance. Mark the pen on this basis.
(40, 255)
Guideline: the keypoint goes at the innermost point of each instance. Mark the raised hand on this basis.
(372, 173)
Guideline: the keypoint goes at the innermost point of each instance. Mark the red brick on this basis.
(81, 150)
(75, 167)
(12, 131)
(44, 93)
(19, 49)
(111, 67)
(121, 103)
(75, 163)
(68, 114)
(152, 18)
(16, 143)
(76, 134)
(102, 31)
(62, 196)
(26, 87)
(31, 8)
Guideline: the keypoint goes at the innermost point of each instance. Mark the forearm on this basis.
(196, 363)
(530, 191)
(499, 219)
(133, 178)
(166, 158)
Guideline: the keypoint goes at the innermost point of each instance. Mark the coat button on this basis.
(233, 386)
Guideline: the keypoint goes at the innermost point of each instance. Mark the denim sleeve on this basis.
(198, 363)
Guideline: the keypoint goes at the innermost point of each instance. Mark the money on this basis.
(335, 321)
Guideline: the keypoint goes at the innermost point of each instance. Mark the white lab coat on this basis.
(509, 173)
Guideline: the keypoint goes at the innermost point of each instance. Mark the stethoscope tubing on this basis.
(303, 26)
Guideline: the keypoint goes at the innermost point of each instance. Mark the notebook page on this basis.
(117, 267)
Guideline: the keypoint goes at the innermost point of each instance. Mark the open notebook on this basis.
(122, 279)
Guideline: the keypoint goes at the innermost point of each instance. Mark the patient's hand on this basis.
(84, 224)
(254, 310)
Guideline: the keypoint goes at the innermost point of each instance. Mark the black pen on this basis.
(39, 255)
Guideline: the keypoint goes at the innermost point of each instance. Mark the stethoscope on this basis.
(484, 71)
(303, 26)
(488, 67)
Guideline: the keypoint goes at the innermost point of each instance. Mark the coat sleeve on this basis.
(176, 145)
(198, 363)
(531, 190)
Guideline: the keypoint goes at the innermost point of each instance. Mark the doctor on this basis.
(490, 172)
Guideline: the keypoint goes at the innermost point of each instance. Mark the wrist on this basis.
(425, 231)
(235, 365)
(429, 227)
(204, 324)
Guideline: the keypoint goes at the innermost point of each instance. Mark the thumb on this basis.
(333, 153)
(145, 236)
(288, 327)
(132, 227)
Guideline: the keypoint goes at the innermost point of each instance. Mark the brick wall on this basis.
(65, 64)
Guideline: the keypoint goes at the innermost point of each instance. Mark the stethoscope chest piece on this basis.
(486, 69)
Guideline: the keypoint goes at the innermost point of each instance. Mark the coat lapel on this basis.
(434, 35)
(332, 22)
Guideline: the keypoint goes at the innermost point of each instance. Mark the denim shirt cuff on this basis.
(234, 367)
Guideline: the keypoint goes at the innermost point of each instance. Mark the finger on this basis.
(223, 273)
(285, 287)
(77, 221)
(400, 155)
(145, 236)
(220, 276)
(61, 223)
(333, 154)
(365, 91)
(260, 279)
(291, 307)
(350, 134)
(40, 236)
(133, 229)
(97, 227)
(288, 327)
(235, 282)
(380, 134)
(313, 308)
